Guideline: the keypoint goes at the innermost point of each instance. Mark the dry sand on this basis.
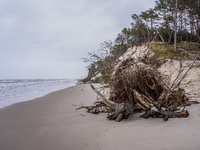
(52, 123)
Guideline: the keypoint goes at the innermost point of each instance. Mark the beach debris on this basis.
(139, 87)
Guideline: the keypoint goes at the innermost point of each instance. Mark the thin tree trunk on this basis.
(170, 37)
(148, 31)
(197, 32)
(186, 29)
(181, 26)
(175, 27)
(160, 36)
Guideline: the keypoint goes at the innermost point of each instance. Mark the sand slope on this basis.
(52, 123)
(191, 83)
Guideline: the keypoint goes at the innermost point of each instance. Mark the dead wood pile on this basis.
(131, 76)
(136, 87)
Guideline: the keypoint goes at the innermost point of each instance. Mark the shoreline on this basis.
(20, 90)
(32, 99)
(51, 122)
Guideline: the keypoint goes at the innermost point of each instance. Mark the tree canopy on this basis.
(172, 20)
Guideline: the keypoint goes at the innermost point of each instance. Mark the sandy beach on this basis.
(52, 123)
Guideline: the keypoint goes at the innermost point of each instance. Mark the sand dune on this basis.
(52, 123)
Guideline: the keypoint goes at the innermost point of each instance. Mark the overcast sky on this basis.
(48, 38)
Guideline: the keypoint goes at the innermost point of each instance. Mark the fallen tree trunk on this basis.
(138, 87)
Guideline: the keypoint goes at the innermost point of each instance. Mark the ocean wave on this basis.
(19, 90)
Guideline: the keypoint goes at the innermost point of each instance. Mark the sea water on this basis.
(14, 91)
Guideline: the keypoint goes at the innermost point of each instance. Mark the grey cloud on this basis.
(48, 36)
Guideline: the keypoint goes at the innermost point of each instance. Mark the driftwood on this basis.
(124, 109)
(138, 87)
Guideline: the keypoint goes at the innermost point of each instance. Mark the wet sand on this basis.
(52, 123)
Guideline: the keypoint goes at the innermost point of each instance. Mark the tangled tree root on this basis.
(138, 87)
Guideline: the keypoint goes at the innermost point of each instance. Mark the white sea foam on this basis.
(14, 91)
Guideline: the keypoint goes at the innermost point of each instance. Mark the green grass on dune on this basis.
(190, 46)
(165, 50)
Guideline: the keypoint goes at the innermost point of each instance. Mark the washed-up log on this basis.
(119, 111)
(110, 104)
(122, 111)
(155, 113)
(98, 107)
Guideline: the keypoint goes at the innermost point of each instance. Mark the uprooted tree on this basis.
(136, 87)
